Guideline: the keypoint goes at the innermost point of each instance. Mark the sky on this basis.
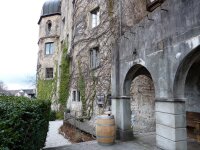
(19, 34)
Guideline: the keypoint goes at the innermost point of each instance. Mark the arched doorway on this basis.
(140, 87)
(187, 86)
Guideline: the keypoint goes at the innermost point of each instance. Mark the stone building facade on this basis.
(163, 45)
(49, 50)
(139, 58)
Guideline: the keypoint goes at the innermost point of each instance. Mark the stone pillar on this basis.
(122, 111)
(171, 133)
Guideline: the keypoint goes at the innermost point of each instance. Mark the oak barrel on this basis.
(105, 129)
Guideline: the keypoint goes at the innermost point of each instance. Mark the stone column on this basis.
(122, 111)
(171, 131)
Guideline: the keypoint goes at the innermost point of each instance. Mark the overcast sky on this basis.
(18, 37)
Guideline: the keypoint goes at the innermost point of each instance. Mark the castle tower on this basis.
(49, 52)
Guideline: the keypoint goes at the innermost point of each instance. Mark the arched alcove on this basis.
(140, 87)
(187, 87)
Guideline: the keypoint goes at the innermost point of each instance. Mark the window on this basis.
(153, 4)
(49, 73)
(95, 17)
(76, 96)
(48, 26)
(94, 58)
(49, 48)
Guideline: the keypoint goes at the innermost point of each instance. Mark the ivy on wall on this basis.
(64, 79)
(87, 101)
(45, 89)
(81, 87)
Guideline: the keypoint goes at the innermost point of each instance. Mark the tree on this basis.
(3, 88)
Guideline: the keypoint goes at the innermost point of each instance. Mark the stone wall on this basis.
(143, 105)
(55, 29)
(167, 46)
(133, 11)
(51, 60)
(97, 80)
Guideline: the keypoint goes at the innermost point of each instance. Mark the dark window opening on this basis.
(78, 96)
(49, 26)
(49, 73)
(74, 96)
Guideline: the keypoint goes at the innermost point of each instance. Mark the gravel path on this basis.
(54, 139)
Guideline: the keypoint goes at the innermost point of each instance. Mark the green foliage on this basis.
(45, 89)
(52, 116)
(23, 123)
(56, 115)
(64, 79)
(60, 115)
(81, 87)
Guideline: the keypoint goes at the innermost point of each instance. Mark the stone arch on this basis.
(182, 72)
(139, 86)
(187, 87)
(133, 72)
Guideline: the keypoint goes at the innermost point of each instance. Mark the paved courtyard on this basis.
(54, 139)
(143, 142)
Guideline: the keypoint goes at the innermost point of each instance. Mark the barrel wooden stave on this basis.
(105, 130)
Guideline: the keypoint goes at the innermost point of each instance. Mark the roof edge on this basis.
(43, 16)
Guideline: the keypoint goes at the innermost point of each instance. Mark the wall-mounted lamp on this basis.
(100, 100)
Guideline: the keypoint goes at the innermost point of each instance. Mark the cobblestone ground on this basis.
(54, 139)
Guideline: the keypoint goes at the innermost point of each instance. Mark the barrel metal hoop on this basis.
(106, 144)
(101, 137)
(105, 117)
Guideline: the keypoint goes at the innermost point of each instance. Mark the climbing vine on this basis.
(64, 78)
(91, 108)
(44, 89)
(87, 100)
(81, 87)
(47, 88)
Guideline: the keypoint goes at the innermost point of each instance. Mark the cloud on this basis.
(19, 36)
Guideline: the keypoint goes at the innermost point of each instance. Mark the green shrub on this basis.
(59, 115)
(52, 115)
(23, 123)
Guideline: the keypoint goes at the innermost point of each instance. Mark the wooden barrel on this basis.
(105, 129)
